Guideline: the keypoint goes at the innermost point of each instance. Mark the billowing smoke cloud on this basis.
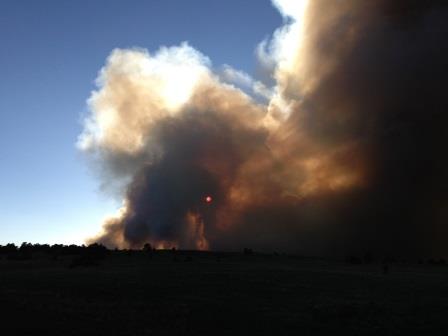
(344, 151)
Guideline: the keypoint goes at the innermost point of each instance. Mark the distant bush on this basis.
(248, 251)
(147, 247)
(130, 252)
(97, 251)
(353, 260)
(437, 262)
(368, 258)
(90, 256)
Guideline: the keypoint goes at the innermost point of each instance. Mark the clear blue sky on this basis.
(50, 53)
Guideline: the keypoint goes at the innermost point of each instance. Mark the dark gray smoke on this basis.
(349, 154)
(383, 93)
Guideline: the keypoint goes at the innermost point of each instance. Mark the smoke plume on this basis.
(342, 149)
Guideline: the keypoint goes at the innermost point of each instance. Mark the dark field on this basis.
(179, 293)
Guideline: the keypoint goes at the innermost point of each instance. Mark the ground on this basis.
(192, 293)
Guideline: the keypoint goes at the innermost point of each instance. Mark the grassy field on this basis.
(179, 293)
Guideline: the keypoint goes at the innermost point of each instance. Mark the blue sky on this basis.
(50, 53)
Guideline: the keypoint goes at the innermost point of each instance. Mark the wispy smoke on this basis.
(345, 151)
